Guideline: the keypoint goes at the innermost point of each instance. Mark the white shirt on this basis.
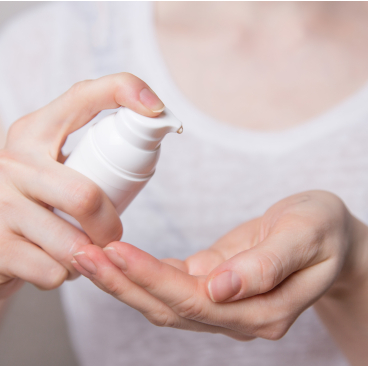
(208, 180)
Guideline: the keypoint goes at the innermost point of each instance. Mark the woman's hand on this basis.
(254, 282)
(35, 244)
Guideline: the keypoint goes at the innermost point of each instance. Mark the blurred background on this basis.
(33, 330)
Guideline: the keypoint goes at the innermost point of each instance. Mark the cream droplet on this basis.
(180, 130)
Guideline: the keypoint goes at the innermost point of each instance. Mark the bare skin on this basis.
(265, 66)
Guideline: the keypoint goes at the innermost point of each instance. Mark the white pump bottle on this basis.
(119, 154)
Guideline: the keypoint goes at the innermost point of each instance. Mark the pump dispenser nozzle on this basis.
(145, 132)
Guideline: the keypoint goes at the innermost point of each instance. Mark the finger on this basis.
(24, 260)
(186, 295)
(152, 274)
(73, 193)
(203, 262)
(266, 265)
(177, 263)
(183, 293)
(39, 225)
(243, 237)
(94, 264)
(51, 124)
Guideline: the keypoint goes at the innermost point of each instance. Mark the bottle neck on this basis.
(134, 137)
(119, 152)
(145, 132)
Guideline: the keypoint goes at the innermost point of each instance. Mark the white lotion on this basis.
(120, 153)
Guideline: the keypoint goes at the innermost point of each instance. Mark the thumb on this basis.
(261, 268)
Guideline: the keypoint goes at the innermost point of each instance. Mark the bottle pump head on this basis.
(146, 132)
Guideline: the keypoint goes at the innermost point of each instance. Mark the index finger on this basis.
(183, 293)
(49, 126)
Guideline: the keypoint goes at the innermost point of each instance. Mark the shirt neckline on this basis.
(352, 110)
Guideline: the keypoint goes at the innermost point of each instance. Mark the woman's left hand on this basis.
(254, 282)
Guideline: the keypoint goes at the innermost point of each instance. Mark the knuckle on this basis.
(259, 324)
(80, 94)
(74, 244)
(78, 88)
(163, 319)
(16, 130)
(191, 308)
(251, 328)
(121, 83)
(148, 282)
(274, 332)
(85, 199)
(110, 285)
(277, 334)
(272, 326)
(242, 337)
(114, 289)
(123, 78)
(271, 271)
(54, 278)
(126, 84)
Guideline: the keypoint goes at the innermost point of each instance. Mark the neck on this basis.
(268, 20)
(272, 65)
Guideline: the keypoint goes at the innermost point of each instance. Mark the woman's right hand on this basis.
(36, 245)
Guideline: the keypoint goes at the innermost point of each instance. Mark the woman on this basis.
(263, 77)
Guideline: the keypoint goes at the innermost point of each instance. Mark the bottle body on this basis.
(119, 154)
(120, 188)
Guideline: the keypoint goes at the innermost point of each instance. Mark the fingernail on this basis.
(115, 258)
(80, 269)
(82, 259)
(224, 286)
(151, 101)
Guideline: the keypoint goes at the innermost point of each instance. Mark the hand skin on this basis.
(257, 279)
(35, 244)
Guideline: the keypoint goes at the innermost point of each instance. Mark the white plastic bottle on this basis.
(119, 154)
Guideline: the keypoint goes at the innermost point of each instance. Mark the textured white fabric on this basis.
(210, 179)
